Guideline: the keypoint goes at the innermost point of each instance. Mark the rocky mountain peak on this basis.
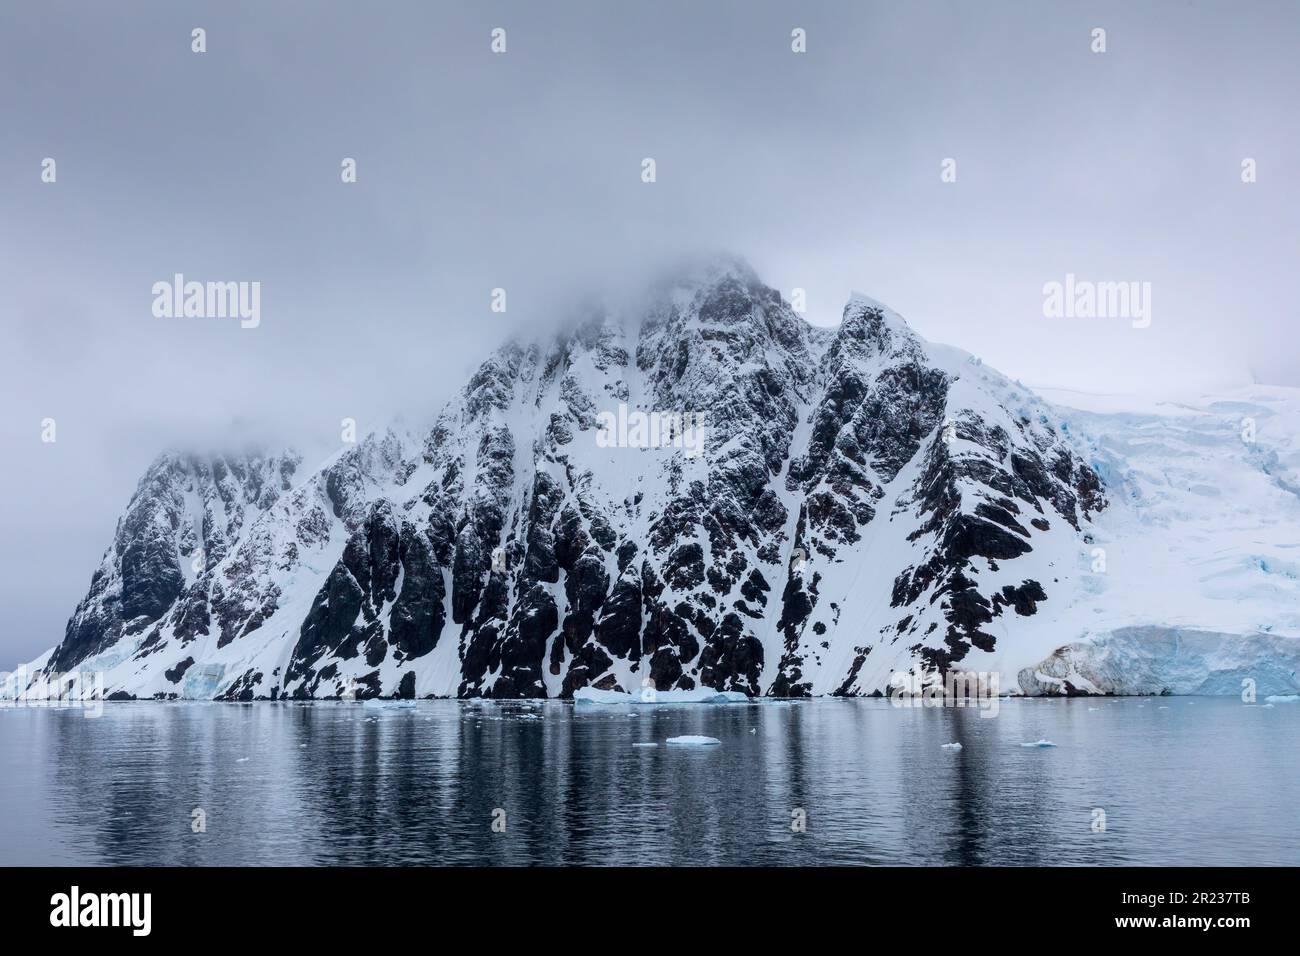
(851, 505)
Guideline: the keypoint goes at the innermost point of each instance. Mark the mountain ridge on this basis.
(867, 503)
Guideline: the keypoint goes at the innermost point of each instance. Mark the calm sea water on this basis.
(1181, 780)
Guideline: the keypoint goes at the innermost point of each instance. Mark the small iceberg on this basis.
(591, 697)
(1039, 743)
(952, 746)
(692, 740)
(1282, 698)
(379, 704)
(650, 744)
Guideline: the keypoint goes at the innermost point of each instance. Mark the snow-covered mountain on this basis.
(865, 502)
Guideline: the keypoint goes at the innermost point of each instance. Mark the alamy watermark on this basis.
(179, 299)
(1084, 299)
(915, 688)
(638, 429)
(75, 908)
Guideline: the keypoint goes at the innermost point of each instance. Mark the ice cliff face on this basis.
(865, 502)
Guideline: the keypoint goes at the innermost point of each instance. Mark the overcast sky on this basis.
(522, 170)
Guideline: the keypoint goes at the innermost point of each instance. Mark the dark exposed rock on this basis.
(1023, 599)
(174, 674)
(417, 617)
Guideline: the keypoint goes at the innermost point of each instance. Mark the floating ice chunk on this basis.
(692, 740)
(651, 744)
(952, 746)
(378, 704)
(590, 697)
(1039, 743)
(1282, 698)
(242, 760)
